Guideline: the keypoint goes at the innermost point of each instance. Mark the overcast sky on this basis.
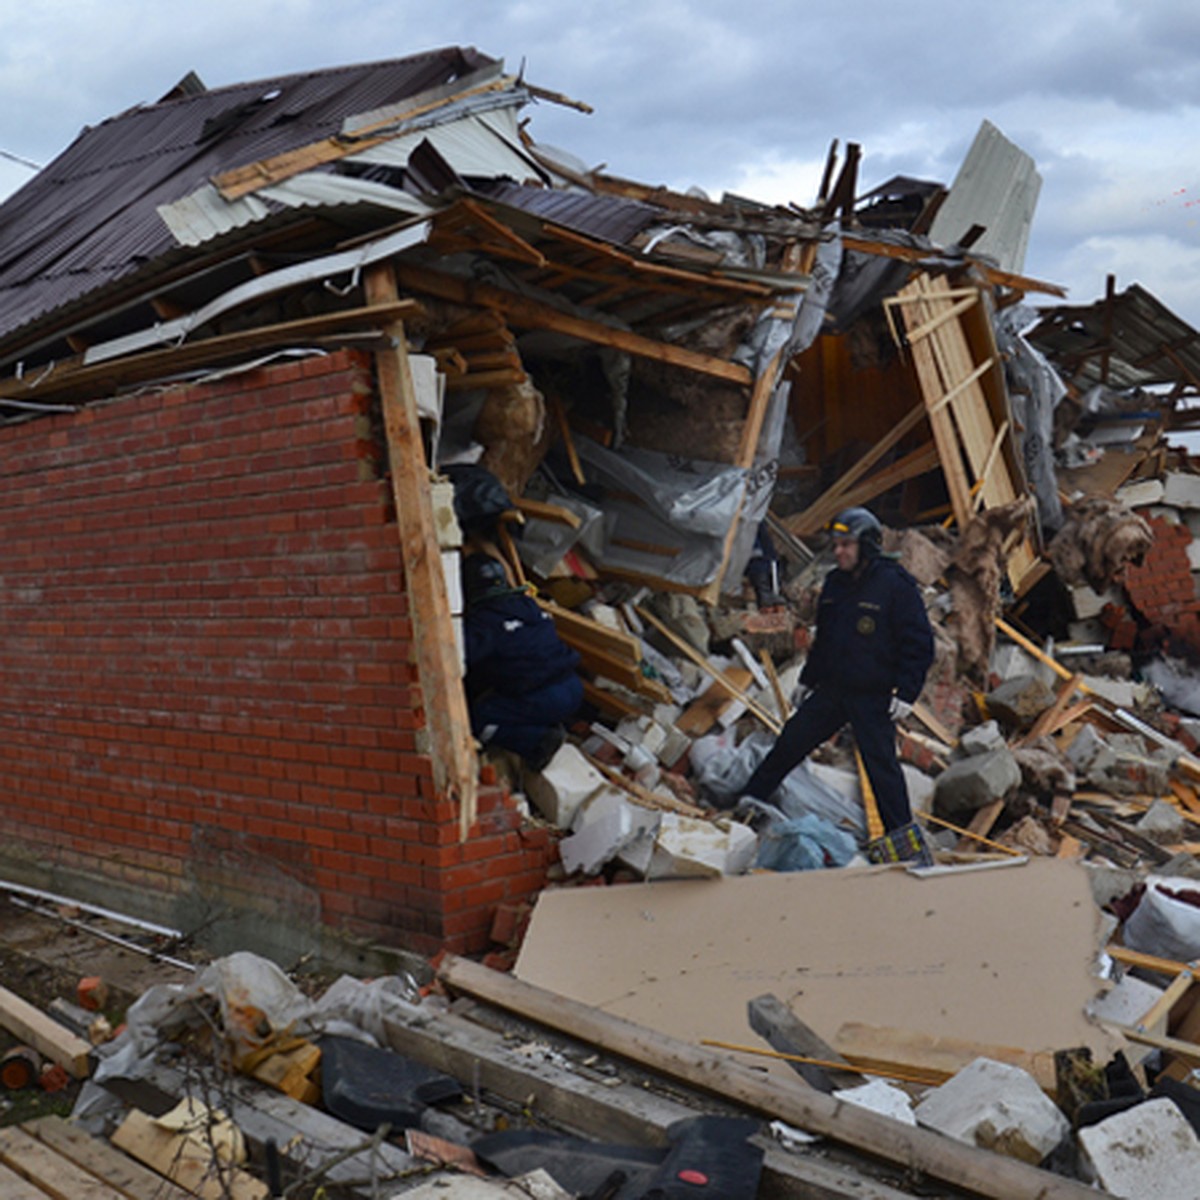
(742, 96)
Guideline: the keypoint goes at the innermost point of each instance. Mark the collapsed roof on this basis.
(675, 342)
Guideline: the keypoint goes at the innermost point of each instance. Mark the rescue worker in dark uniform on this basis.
(872, 649)
(521, 681)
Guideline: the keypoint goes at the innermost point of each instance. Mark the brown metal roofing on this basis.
(89, 219)
(1131, 341)
(610, 218)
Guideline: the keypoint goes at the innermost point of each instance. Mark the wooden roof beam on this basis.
(533, 314)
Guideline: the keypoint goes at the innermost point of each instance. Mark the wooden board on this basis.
(686, 957)
(182, 1161)
(13, 1187)
(452, 748)
(100, 1159)
(979, 1172)
(47, 1036)
(55, 1175)
(701, 715)
(879, 1047)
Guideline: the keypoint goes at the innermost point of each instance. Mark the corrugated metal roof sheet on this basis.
(612, 218)
(997, 187)
(1138, 342)
(90, 218)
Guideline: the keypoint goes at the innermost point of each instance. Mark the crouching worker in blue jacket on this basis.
(521, 681)
(872, 649)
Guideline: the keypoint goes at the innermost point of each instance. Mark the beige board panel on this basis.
(1001, 956)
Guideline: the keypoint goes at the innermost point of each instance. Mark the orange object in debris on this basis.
(53, 1078)
(20, 1068)
(92, 993)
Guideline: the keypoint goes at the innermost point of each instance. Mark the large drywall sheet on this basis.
(1002, 956)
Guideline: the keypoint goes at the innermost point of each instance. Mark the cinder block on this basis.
(604, 827)
(969, 784)
(1141, 493)
(997, 1106)
(1147, 1150)
(1181, 489)
(687, 846)
(565, 783)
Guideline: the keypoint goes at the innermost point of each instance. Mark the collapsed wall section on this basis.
(210, 713)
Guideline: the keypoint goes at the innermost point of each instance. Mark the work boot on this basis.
(906, 844)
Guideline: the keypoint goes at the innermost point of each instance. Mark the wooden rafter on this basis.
(533, 314)
(241, 181)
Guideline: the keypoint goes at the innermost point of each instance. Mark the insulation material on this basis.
(956, 956)
(1098, 539)
(976, 574)
(512, 426)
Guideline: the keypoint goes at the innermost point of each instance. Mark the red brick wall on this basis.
(208, 687)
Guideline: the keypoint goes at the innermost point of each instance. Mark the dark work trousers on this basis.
(820, 716)
(523, 721)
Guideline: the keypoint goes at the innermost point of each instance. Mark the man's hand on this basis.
(899, 709)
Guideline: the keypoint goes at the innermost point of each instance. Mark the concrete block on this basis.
(970, 783)
(1019, 701)
(1172, 516)
(454, 592)
(1181, 489)
(1126, 1003)
(643, 731)
(1147, 1150)
(1009, 661)
(687, 847)
(565, 783)
(604, 827)
(881, 1097)
(1162, 822)
(1192, 549)
(980, 739)
(1087, 633)
(1088, 747)
(445, 523)
(996, 1106)
(1088, 603)
(1124, 693)
(1140, 493)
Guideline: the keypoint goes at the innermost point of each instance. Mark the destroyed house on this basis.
(242, 330)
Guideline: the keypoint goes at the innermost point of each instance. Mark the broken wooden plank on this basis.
(607, 1109)
(704, 712)
(106, 377)
(879, 1048)
(980, 825)
(545, 511)
(452, 749)
(522, 311)
(184, 1160)
(98, 1158)
(980, 1171)
(768, 719)
(13, 1187)
(779, 1026)
(53, 1174)
(644, 796)
(45, 1035)
(306, 1136)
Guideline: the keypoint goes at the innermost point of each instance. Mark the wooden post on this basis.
(979, 1172)
(451, 748)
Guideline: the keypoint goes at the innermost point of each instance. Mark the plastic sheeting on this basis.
(725, 769)
(1034, 390)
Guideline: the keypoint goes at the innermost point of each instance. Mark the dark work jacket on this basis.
(513, 647)
(872, 632)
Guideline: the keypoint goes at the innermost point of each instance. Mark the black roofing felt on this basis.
(89, 218)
